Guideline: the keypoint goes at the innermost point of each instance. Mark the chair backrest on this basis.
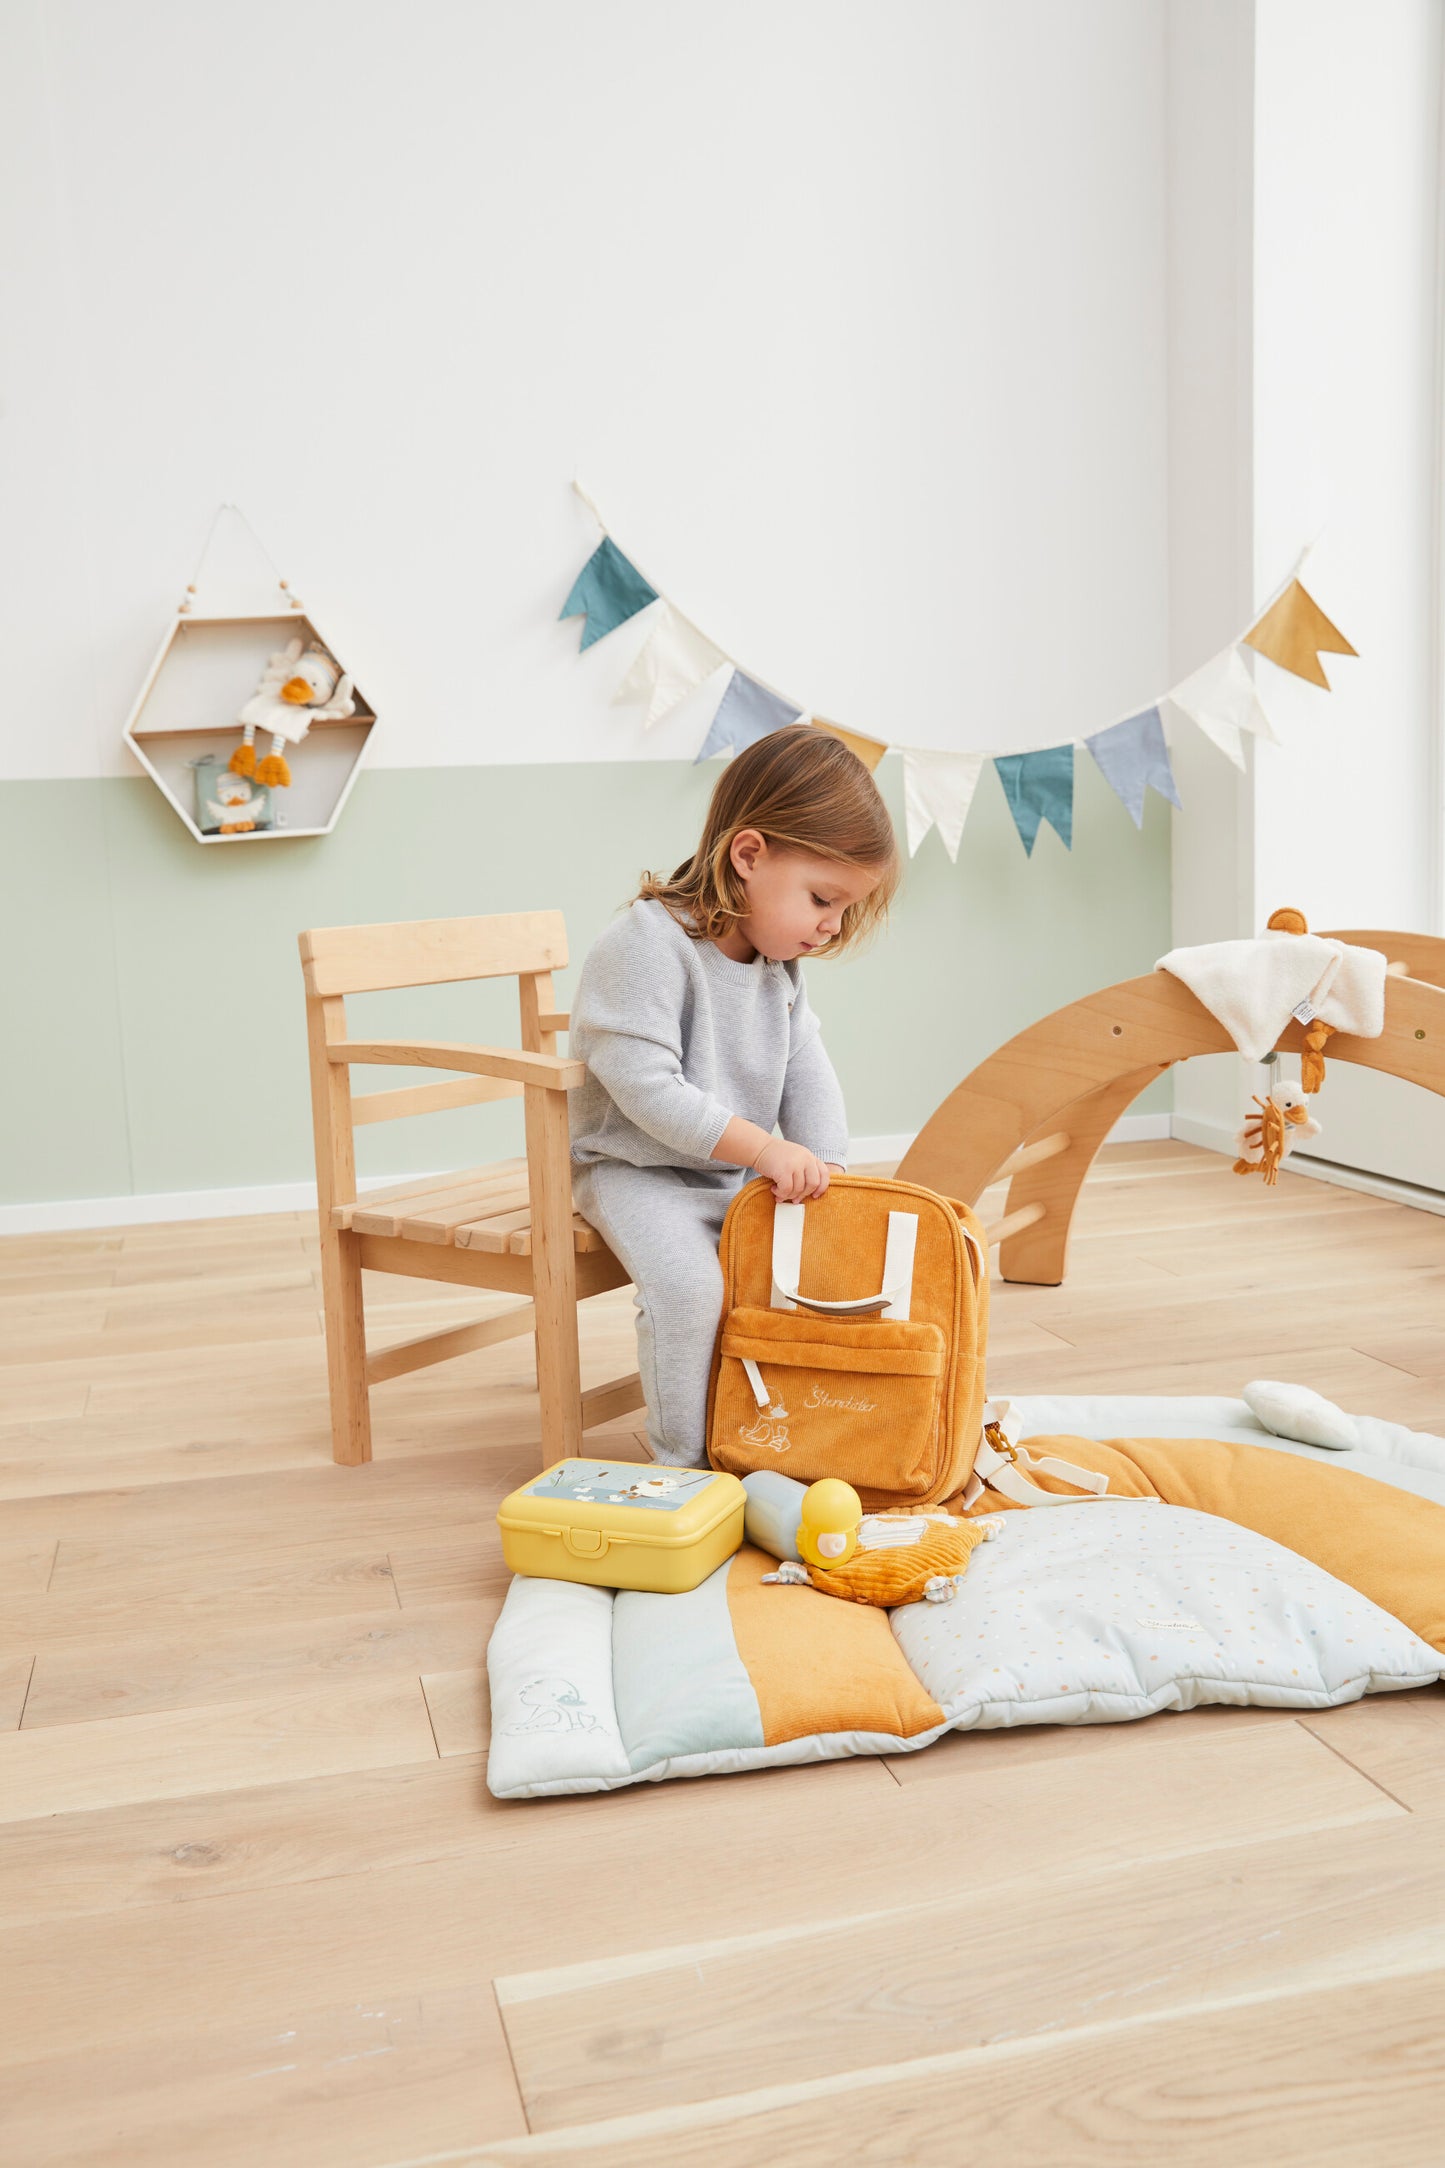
(432, 951)
(341, 960)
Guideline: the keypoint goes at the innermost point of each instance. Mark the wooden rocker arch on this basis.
(1038, 1109)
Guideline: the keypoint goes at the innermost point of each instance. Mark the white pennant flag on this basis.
(937, 793)
(1222, 699)
(672, 662)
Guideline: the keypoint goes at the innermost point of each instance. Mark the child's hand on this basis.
(792, 1170)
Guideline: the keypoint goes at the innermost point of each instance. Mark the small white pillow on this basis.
(1117, 1608)
(1294, 1411)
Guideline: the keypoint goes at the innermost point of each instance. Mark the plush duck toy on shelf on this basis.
(826, 1541)
(296, 690)
(1283, 1120)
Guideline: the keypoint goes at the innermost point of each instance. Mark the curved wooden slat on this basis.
(1038, 1256)
(1078, 1070)
(1142, 1025)
(1422, 954)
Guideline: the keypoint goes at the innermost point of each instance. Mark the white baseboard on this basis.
(1129, 1129)
(1216, 1138)
(160, 1206)
(70, 1214)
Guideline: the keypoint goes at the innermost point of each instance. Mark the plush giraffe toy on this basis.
(1264, 1142)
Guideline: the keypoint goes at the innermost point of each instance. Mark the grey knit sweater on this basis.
(678, 1038)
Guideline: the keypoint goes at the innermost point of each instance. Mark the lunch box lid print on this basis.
(621, 1483)
(632, 1502)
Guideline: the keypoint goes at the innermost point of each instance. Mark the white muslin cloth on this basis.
(1255, 987)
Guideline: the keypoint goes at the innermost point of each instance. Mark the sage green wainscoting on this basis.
(155, 1037)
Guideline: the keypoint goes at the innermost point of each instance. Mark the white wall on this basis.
(1210, 132)
(852, 315)
(1346, 398)
(1304, 401)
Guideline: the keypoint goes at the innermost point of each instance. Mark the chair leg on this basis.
(554, 1274)
(345, 1348)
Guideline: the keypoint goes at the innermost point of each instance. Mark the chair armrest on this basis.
(558, 1072)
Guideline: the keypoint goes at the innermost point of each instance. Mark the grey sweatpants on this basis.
(663, 1224)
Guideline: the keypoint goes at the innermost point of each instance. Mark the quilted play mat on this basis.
(1226, 1564)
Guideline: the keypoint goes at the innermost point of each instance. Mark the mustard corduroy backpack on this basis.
(852, 1339)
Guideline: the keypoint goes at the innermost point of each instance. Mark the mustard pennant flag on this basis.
(1294, 632)
(869, 750)
(672, 662)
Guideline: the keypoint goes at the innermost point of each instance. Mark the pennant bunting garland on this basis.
(746, 712)
(1040, 787)
(938, 790)
(672, 662)
(606, 592)
(1294, 632)
(1133, 758)
(869, 750)
(1221, 699)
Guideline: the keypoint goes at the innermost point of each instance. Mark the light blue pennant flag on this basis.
(1039, 787)
(606, 592)
(1133, 757)
(746, 712)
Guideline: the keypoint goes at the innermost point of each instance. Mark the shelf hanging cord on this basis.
(227, 505)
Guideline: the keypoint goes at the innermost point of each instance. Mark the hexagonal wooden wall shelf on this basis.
(208, 666)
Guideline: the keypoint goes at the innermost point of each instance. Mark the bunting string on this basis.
(1221, 699)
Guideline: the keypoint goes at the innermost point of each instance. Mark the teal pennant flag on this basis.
(1133, 758)
(746, 712)
(1039, 787)
(606, 592)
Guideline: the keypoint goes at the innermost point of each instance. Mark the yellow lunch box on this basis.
(619, 1524)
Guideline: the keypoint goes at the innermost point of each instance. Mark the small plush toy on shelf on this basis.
(826, 1541)
(1265, 1141)
(238, 808)
(296, 690)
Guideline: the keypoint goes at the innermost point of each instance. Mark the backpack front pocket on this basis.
(815, 1396)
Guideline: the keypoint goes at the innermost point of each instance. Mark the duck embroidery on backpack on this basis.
(769, 1433)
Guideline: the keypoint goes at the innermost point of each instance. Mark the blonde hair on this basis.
(802, 789)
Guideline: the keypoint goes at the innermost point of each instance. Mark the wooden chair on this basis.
(509, 1226)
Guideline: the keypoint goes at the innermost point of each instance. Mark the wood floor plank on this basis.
(178, 1753)
(16, 1673)
(315, 2088)
(76, 1682)
(31, 1392)
(1350, 2077)
(1019, 1958)
(460, 1714)
(967, 1754)
(385, 1499)
(1420, 1350)
(1397, 1740)
(223, 1590)
(467, 1567)
(26, 1566)
(261, 1844)
(509, 1904)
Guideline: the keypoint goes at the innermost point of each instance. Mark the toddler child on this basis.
(692, 1016)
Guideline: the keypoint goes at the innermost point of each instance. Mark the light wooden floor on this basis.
(257, 1907)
